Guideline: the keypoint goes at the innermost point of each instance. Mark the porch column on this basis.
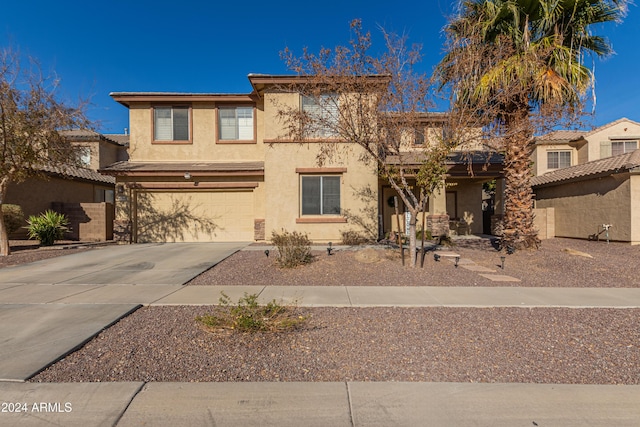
(498, 207)
(437, 219)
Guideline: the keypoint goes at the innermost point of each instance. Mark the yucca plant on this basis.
(47, 227)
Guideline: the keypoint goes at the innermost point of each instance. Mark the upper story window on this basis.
(621, 147)
(558, 159)
(171, 123)
(324, 113)
(418, 137)
(235, 123)
(84, 156)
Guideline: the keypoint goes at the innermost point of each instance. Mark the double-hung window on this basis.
(321, 195)
(558, 159)
(235, 123)
(324, 115)
(171, 123)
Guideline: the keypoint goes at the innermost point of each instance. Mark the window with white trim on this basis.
(171, 123)
(235, 123)
(320, 195)
(558, 159)
(324, 113)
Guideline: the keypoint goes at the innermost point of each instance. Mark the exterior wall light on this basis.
(187, 175)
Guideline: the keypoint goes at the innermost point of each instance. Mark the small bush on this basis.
(249, 316)
(427, 235)
(353, 238)
(47, 227)
(294, 248)
(13, 217)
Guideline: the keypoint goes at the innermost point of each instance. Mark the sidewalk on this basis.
(319, 404)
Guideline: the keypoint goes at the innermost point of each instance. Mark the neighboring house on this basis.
(215, 167)
(564, 148)
(589, 196)
(590, 179)
(86, 196)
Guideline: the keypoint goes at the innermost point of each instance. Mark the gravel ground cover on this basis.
(540, 345)
(558, 263)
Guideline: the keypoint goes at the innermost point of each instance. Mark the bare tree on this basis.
(31, 118)
(375, 103)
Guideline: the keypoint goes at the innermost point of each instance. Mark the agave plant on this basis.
(47, 227)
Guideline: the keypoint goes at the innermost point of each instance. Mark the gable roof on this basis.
(560, 136)
(81, 135)
(608, 125)
(603, 167)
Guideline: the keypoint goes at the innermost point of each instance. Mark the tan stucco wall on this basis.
(539, 156)
(469, 200)
(203, 144)
(282, 189)
(581, 207)
(622, 130)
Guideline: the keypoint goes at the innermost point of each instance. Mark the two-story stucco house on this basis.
(591, 180)
(216, 167)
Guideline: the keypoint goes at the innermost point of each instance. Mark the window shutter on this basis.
(162, 124)
(605, 149)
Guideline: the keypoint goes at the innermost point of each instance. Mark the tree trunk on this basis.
(412, 238)
(519, 231)
(5, 249)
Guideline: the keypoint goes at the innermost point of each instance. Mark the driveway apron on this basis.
(50, 308)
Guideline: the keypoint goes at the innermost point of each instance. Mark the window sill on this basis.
(171, 142)
(235, 141)
(321, 220)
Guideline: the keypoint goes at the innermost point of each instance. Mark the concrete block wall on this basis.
(92, 222)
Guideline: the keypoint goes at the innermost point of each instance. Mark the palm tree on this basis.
(519, 65)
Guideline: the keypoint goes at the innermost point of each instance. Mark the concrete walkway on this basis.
(42, 321)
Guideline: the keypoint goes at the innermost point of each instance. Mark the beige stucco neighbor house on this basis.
(216, 167)
(83, 194)
(587, 197)
(565, 148)
(590, 179)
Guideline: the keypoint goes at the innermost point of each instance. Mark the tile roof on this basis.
(74, 172)
(560, 136)
(455, 158)
(89, 135)
(606, 166)
(181, 167)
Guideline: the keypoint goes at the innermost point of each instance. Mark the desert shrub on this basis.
(294, 248)
(47, 227)
(13, 217)
(427, 235)
(352, 238)
(249, 316)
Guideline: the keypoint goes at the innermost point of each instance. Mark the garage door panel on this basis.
(206, 216)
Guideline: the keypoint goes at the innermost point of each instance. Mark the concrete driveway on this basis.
(140, 264)
(51, 307)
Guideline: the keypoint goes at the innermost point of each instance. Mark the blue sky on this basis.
(208, 46)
